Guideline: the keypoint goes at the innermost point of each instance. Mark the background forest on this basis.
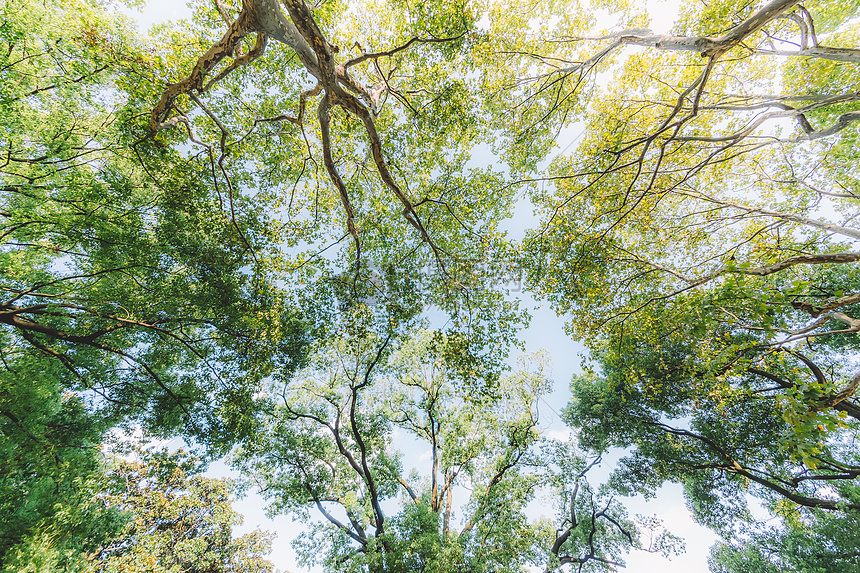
(275, 232)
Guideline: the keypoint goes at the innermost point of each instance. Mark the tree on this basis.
(797, 547)
(178, 520)
(703, 244)
(429, 107)
(120, 262)
(50, 459)
(331, 453)
(127, 301)
(712, 171)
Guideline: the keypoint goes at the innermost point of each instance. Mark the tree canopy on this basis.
(179, 520)
(275, 229)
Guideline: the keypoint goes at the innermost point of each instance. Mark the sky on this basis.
(546, 331)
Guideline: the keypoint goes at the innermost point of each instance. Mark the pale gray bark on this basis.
(268, 18)
(709, 46)
(808, 221)
(715, 47)
(822, 52)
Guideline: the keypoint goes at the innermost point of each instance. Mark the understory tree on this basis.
(50, 463)
(175, 520)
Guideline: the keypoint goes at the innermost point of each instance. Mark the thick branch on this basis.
(240, 28)
(708, 46)
(733, 466)
(822, 52)
(268, 17)
(409, 490)
(331, 168)
(335, 521)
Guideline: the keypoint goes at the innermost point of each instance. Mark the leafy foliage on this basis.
(795, 547)
(707, 253)
(50, 460)
(238, 229)
(375, 424)
(179, 520)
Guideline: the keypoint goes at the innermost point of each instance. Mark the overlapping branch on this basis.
(723, 460)
(299, 31)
